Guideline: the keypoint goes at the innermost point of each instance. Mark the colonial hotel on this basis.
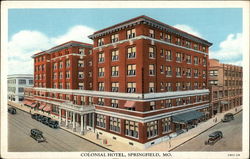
(141, 82)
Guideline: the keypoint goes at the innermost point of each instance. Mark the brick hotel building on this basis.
(143, 82)
(225, 83)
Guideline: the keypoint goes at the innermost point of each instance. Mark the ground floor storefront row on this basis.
(141, 134)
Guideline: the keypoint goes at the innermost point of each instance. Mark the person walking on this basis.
(97, 136)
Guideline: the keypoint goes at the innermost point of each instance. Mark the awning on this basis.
(28, 102)
(186, 117)
(224, 102)
(129, 104)
(47, 108)
(42, 106)
(33, 105)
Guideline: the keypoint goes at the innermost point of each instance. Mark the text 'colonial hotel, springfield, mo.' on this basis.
(141, 82)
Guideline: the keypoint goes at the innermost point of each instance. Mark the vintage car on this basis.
(214, 137)
(53, 124)
(12, 110)
(228, 117)
(34, 116)
(40, 118)
(37, 135)
(46, 120)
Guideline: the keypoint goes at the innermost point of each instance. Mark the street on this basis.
(19, 140)
(231, 141)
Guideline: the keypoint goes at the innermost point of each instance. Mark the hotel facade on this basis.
(225, 84)
(141, 82)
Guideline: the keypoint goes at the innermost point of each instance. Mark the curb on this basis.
(199, 133)
(70, 132)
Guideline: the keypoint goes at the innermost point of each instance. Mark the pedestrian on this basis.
(169, 143)
(235, 109)
(215, 119)
(97, 136)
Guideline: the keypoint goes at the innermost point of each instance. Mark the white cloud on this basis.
(188, 29)
(230, 50)
(25, 43)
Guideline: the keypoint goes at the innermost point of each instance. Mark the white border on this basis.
(119, 4)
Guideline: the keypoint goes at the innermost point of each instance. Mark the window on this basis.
(162, 52)
(204, 61)
(114, 38)
(166, 124)
(80, 75)
(188, 59)
(20, 89)
(21, 81)
(60, 85)
(203, 48)
(168, 37)
(131, 87)
(115, 124)
(75, 100)
(100, 42)
(82, 101)
(168, 55)
(214, 82)
(195, 85)
(67, 85)
(168, 71)
(178, 41)
(101, 86)
(151, 52)
(100, 101)
(169, 86)
(178, 72)
(61, 65)
(178, 57)
(115, 71)
(178, 86)
(151, 87)
(80, 63)
(131, 52)
(115, 55)
(131, 33)
(131, 128)
(131, 70)
(161, 36)
(178, 101)
(188, 86)
(61, 75)
(30, 82)
(162, 86)
(101, 72)
(67, 74)
(55, 66)
(101, 57)
(168, 103)
(188, 72)
(196, 60)
(195, 46)
(54, 85)
(114, 87)
(204, 74)
(82, 51)
(152, 129)
(196, 73)
(151, 33)
(151, 69)
(152, 105)
(114, 103)
(213, 72)
(188, 44)
(81, 86)
(101, 120)
(91, 100)
(67, 63)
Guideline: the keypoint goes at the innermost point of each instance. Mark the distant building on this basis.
(225, 83)
(16, 85)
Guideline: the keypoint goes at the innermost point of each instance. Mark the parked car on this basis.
(214, 137)
(228, 117)
(40, 118)
(12, 110)
(46, 120)
(53, 124)
(37, 135)
(34, 116)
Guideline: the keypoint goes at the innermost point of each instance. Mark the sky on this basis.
(33, 30)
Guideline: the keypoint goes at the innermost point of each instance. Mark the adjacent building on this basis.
(225, 82)
(143, 82)
(16, 85)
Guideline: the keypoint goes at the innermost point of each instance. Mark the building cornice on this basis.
(153, 23)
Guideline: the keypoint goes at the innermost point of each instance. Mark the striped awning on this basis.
(42, 106)
(129, 104)
(33, 105)
(28, 102)
(47, 108)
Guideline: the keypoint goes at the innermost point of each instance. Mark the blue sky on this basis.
(221, 26)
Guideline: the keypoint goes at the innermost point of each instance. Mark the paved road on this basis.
(231, 141)
(19, 126)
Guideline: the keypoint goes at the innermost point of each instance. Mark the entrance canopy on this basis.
(186, 117)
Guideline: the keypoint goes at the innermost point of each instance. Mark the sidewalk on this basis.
(115, 145)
